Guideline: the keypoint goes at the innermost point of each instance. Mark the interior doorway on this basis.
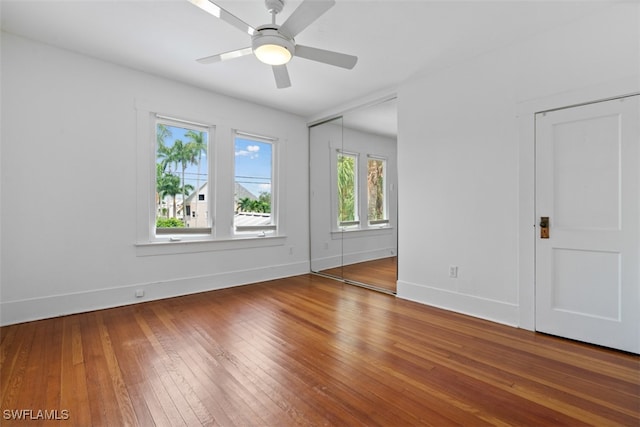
(588, 212)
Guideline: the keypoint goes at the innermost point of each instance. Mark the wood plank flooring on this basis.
(305, 351)
(379, 273)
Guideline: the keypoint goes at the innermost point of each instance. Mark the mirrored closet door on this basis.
(353, 193)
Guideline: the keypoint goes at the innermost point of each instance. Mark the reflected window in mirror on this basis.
(347, 189)
(376, 191)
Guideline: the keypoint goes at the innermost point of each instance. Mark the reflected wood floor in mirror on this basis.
(380, 273)
(311, 351)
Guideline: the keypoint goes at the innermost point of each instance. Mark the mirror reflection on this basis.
(353, 193)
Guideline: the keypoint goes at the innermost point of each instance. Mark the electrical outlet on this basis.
(139, 293)
(453, 271)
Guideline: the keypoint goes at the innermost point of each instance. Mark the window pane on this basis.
(375, 184)
(181, 179)
(253, 185)
(347, 188)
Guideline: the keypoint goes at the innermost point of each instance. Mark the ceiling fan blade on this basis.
(218, 12)
(326, 56)
(304, 15)
(225, 56)
(282, 76)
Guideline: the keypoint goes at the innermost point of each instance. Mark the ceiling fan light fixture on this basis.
(271, 47)
(273, 54)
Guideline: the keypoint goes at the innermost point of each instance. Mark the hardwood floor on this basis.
(305, 351)
(380, 273)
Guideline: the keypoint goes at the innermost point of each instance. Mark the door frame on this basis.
(527, 227)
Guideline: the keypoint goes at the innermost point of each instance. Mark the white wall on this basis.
(69, 142)
(462, 152)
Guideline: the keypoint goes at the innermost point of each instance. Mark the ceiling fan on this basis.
(274, 44)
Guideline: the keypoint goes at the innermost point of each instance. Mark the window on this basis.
(347, 186)
(377, 206)
(181, 174)
(185, 204)
(254, 195)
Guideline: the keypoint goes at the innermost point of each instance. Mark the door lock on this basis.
(544, 227)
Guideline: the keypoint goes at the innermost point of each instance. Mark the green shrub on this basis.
(169, 223)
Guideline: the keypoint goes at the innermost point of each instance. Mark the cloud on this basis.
(251, 151)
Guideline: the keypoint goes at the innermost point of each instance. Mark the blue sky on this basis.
(252, 162)
(253, 165)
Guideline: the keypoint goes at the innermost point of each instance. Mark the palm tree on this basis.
(182, 154)
(375, 183)
(199, 146)
(346, 188)
(265, 202)
(262, 206)
(163, 152)
(162, 132)
(245, 204)
(168, 185)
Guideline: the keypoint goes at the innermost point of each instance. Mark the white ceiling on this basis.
(393, 40)
(380, 118)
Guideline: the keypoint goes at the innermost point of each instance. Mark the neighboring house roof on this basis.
(244, 219)
(243, 193)
(200, 190)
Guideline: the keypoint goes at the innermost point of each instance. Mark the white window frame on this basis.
(270, 229)
(187, 234)
(221, 237)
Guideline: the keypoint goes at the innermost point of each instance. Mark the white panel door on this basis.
(588, 185)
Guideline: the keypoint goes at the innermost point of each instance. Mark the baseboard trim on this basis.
(483, 308)
(351, 258)
(19, 311)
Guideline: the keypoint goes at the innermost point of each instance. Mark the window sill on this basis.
(360, 232)
(209, 245)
